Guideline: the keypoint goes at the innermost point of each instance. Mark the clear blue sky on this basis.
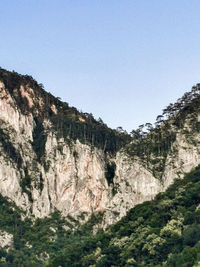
(121, 60)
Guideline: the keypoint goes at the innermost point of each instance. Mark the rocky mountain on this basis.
(161, 232)
(61, 167)
(55, 157)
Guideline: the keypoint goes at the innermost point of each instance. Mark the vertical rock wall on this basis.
(73, 177)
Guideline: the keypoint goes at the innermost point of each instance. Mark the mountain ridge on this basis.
(64, 159)
(57, 160)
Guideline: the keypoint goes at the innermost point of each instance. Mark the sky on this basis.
(121, 60)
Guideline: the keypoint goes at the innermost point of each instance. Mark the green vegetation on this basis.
(39, 139)
(34, 241)
(162, 232)
(153, 147)
(110, 172)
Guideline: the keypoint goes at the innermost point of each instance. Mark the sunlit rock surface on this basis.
(71, 177)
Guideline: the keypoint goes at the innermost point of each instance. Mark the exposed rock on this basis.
(73, 177)
(6, 239)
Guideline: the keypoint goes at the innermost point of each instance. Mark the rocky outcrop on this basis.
(134, 184)
(72, 177)
(6, 239)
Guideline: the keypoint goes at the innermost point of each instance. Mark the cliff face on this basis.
(41, 170)
(70, 178)
(135, 183)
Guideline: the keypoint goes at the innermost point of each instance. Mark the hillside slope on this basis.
(53, 157)
(162, 232)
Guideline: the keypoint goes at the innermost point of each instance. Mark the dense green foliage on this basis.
(162, 232)
(67, 121)
(110, 172)
(34, 240)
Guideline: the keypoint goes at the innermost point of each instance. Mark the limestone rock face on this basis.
(6, 239)
(71, 176)
(133, 184)
(186, 158)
